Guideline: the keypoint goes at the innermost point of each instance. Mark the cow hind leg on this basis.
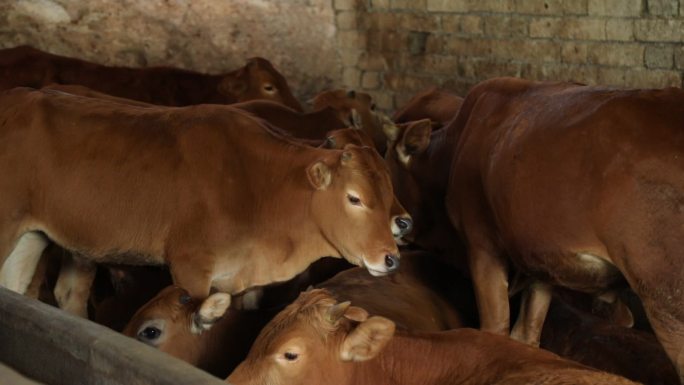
(73, 285)
(19, 267)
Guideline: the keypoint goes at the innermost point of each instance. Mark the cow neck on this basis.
(440, 155)
(422, 359)
(291, 238)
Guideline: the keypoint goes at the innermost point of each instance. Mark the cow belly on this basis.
(575, 269)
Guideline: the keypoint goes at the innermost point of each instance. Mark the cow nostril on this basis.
(392, 262)
(404, 224)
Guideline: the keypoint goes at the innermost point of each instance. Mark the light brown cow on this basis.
(576, 186)
(438, 105)
(407, 297)
(207, 190)
(357, 109)
(319, 341)
(29, 67)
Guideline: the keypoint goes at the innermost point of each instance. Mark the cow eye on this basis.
(354, 200)
(291, 356)
(269, 88)
(150, 333)
(372, 107)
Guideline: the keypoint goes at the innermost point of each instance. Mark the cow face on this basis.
(172, 321)
(311, 342)
(357, 109)
(352, 204)
(258, 79)
(407, 160)
(400, 221)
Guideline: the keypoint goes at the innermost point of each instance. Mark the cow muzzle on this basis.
(390, 263)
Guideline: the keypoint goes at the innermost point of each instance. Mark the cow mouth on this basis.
(372, 271)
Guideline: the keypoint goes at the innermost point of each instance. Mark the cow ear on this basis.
(211, 310)
(319, 175)
(393, 131)
(356, 313)
(367, 339)
(416, 137)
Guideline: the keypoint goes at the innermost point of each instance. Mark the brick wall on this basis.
(394, 48)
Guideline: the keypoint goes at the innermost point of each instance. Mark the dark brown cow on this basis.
(357, 109)
(439, 106)
(406, 297)
(576, 186)
(207, 190)
(595, 342)
(26, 66)
(319, 341)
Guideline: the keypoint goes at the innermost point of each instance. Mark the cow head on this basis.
(258, 79)
(172, 321)
(407, 159)
(351, 205)
(400, 221)
(312, 341)
(356, 109)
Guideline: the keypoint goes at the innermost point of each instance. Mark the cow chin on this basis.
(376, 270)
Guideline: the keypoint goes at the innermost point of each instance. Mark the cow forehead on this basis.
(309, 310)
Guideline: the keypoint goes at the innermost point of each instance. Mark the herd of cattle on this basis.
(193, 212)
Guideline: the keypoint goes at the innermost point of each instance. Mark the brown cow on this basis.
(179, 186)
(576, 186)
(357, 109)
(27, 66)
(166, 322)
(439, 106)
(592, 341)
(319, 341)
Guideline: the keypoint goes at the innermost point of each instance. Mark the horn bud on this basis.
(337, 311)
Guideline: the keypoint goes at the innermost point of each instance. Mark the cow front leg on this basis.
(73, 285)
(533, 309)
(490, 280)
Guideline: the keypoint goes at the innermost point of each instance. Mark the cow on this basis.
(207, 190)
(258, 79)
(580, 336)
(406, 297)
(318, 340)
(356, 109)
(575, 186)
(440, 106)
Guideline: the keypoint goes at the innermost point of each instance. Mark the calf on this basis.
(319, 341)
(357, 109)
(29, 67)
(575, 186)
(187, 187)
(166, 322)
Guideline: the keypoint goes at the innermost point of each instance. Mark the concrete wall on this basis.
(298, 36)
(393, 48)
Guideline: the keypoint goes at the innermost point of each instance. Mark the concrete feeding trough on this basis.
(55, 348)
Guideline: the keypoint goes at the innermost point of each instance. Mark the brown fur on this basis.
(439, 106)
(406, 297)
(178, 186)
(425, 358)
(536, 173)
(29, 67)
(356, 109)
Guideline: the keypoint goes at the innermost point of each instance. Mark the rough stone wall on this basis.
(298, 36)
(394, 48)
